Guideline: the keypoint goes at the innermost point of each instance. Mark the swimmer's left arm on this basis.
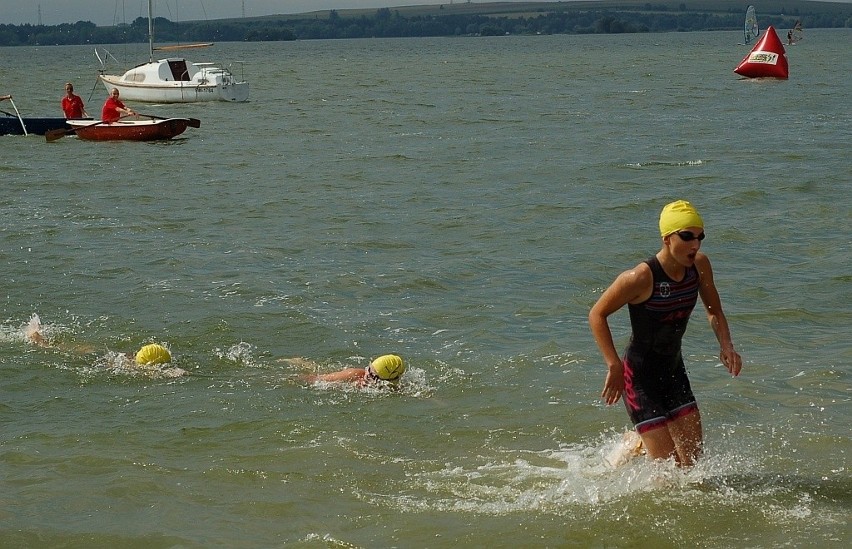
(716, 316)
(345, 375)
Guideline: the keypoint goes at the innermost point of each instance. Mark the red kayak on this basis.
(130, 130)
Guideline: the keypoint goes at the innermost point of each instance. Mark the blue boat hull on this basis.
(10, 125)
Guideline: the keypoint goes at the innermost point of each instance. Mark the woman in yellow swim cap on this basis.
(152, 354)
(384, 369)
(651, 377)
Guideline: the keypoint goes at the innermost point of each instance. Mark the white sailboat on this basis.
(751, 31)
(174, 79)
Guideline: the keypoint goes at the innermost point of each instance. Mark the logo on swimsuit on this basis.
(674, 316)
(665, 289)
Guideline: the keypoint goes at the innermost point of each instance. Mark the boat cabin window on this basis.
(179, 70)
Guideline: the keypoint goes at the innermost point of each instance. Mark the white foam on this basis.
(242, 353)
(558, 480)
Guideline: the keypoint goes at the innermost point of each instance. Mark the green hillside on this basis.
(450, 19)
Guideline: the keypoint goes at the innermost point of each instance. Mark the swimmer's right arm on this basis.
(630, 287)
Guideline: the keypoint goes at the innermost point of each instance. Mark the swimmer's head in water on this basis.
(153, 354)
(388, 367)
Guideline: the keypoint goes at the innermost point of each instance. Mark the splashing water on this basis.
(241, 353)
(25, 333)
(33, 327)
(559, 481)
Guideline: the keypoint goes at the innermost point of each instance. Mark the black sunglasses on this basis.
(687, 236)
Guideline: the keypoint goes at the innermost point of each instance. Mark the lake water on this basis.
(460, 202)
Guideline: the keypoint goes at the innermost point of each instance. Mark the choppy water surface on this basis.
(461, 202)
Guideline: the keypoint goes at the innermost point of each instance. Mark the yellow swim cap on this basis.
(153, 354)
(677, 216)
(388, 367)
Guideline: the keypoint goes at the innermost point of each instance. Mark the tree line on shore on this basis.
(388, 23)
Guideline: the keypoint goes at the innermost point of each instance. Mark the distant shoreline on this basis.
(456, 19)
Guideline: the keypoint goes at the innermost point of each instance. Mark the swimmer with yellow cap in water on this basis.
(660, 294)
(153, 353)
(154, 358)
(384, 369)
(151, 357)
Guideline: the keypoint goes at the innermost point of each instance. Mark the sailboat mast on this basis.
(151, 31)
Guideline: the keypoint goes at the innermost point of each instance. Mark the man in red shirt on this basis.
(114, 108)
(72, 104)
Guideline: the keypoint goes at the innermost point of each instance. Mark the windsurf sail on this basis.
(751, 29)
(795, 34)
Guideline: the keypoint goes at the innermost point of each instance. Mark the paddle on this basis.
(21, 120)
(193, 122)
(53, 135)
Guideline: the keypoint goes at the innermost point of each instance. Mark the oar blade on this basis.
(191, 122)
(53, 135)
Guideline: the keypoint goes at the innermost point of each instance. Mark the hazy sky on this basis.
(109, 12)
